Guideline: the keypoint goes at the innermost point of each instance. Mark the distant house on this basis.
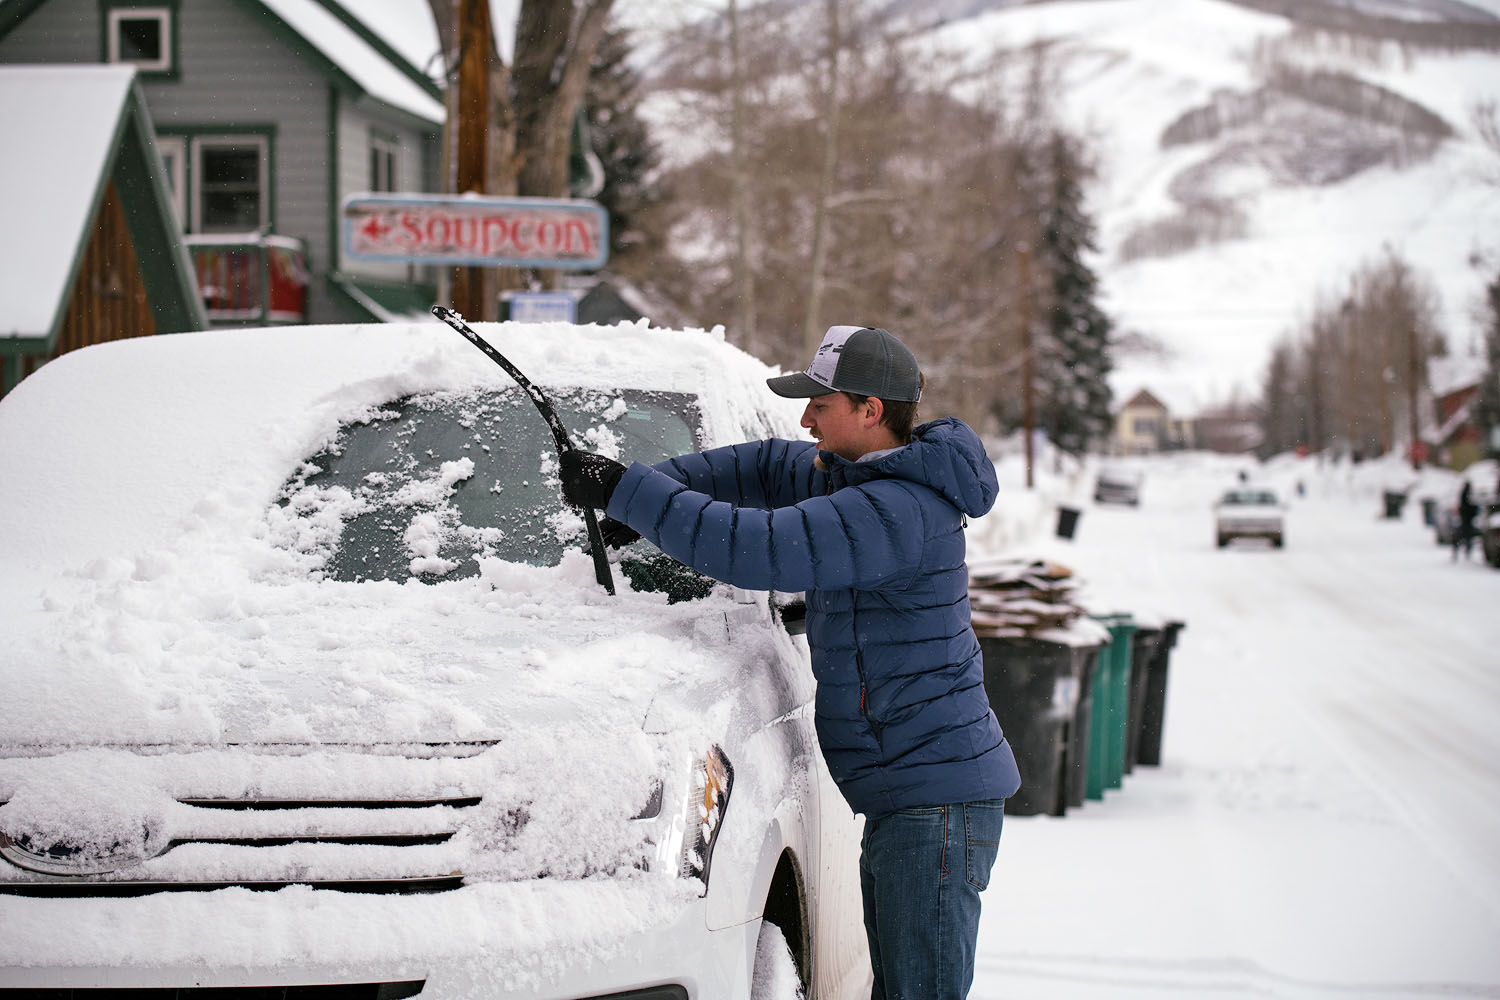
(92, 252)
(266, 115)
(1142, 425)
(1456, 440)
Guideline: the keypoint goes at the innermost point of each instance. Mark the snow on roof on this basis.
(65, 119)
(407, 27)
(358, 58)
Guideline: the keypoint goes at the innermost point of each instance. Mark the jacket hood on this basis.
(945, 455)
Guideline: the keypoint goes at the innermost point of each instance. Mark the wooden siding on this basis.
(109, 300)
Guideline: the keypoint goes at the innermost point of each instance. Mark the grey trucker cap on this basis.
(864, 360)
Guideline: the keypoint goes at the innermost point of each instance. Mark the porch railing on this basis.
(251, 279)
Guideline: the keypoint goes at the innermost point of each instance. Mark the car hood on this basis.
(179, 649)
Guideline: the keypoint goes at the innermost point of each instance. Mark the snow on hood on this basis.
(143, 602)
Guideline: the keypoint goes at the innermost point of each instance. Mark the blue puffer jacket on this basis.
(878, 546)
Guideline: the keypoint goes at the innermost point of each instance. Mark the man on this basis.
(869, 522)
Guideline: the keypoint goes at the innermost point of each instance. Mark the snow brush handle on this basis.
(559, 432)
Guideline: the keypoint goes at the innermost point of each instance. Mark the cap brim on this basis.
(797, 386)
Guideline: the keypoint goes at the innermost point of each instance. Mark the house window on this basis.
(384, 151)
(1144, 427)
(140, 36)
(230, 191)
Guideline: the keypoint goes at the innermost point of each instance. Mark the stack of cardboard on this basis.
(1019, 597)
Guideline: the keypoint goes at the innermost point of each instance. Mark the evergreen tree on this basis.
(1073, 362)
(618, 136)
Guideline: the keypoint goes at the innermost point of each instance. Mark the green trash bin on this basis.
(1111, 708)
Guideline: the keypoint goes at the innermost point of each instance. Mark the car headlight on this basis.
(685, 840)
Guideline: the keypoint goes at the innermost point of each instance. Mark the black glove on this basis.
(588, 479)
(617, 534)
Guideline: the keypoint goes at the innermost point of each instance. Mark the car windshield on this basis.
(425, 486)
(1254, 497)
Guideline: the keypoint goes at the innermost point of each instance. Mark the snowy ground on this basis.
(1326, 817)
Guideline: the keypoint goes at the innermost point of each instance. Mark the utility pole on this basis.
(472, 109)
(1028, 361)
(1413, 365)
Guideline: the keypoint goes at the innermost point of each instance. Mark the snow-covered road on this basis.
(1326, 820)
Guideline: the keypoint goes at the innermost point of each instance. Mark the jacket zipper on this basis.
(864, 708)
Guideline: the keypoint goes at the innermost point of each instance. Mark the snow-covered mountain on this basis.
(1251, 162)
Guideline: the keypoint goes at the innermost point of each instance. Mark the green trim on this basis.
(407, 118)
(14, 12)
(299, 44)
(166, 268)
(174, 59)
(354, 24)
(335, 201)
(133, 164)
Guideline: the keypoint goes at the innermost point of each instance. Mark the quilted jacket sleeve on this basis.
(773, 473)
(861, 537)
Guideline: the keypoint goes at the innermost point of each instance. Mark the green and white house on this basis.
(265, 115)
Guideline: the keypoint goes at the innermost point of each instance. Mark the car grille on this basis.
(400, 840)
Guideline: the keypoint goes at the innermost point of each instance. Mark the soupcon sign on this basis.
(477, 230)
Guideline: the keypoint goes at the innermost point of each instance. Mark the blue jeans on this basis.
(921, 872)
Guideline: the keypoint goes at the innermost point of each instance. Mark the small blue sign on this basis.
(542, 307)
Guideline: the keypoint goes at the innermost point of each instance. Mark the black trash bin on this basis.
(1144, 643)
(1394, 502)
(1033, 692)
(1429, 512)
(1154, 702)
(1067, 521)
(1075, 762)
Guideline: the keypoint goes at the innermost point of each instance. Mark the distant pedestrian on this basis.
(1463, 531)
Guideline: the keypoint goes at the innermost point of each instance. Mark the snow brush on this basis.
(559, 432)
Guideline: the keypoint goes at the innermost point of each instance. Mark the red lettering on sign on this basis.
(585, 244)
(411, 233)
(547, 235)
(494, 234)
(375, 229)
(496, 231)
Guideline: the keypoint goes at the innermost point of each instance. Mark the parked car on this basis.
(1487, 525)
(308, 681)
(1249, 512)
(1117, 486)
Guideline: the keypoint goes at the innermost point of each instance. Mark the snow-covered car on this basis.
(1117, 486)
(308, 681)
(1249, 512)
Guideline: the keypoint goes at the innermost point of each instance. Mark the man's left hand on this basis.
(589, 479)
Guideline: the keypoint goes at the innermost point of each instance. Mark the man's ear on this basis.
(874, 411)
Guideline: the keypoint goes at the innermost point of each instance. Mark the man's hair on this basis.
(898, 415)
